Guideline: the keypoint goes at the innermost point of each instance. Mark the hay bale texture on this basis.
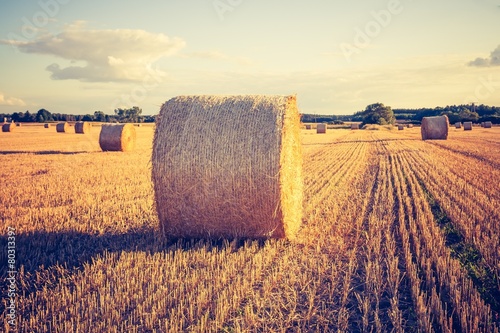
(487, 124)
(401, 127)
(46, 125)
(82, 127)
(434, 128)
(458, 125)
(117, 137)
(8, 127)
(321, 128)
(62, 127)
(308, 126)
(467, 125)
(354, 126)
(228, 167)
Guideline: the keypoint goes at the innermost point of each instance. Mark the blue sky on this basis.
(73, 56)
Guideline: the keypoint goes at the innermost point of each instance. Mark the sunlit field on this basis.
(398, 235)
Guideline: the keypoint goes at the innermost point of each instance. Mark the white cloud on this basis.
(110, 55)
(11, 101)
(493, 60)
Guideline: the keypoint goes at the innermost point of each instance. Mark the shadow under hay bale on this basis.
(82, 127)
(321, 128)
(8, 127)
(435, 128)
(117, 137)
(212, 180)
(468, 126)
(63, 127)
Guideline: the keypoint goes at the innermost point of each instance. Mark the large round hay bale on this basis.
(228, 167)
(467, 125)
(434, 128)
(487, 124)
(46, 125)
(62, 127)
(354, 126)
(321, 128)
(117, 137)
(458, 125)
(82, 127)
(401, 127)
(8, 127)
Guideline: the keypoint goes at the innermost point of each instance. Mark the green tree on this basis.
(43, 115)
(99, 116)
(378, 113)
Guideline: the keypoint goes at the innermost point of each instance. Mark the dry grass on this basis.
(369, 257)
(434, 128)
(120, 137)
(248, 174)
(82, 127)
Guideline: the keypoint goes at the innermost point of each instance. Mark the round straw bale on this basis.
(228, 167)
(354, 126)
(487, 124)
(401, 127)
(46, 125)
(409, 125)
(434, 128)
(308, 126)
(62, 127)
(467, 125)
(117, 137)
(8, 127)
(458, 125)
(82, 127)
(321, 128)
(482, 124)
(18, 124)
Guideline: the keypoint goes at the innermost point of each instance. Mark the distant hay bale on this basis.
(487, 124)
(401, 127)
(139, 125)
(458, 125)
(321, 128)
(8, 127)
(62, 127)
(467, 125)
(482, 124)
(18, 124)
(82, 127)
(46, 125)
(117, 137)
(212, 180)
(409, 125)
(434, 128)
(354, 126)
(308, 126)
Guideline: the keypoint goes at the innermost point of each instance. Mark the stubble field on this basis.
(398, 235)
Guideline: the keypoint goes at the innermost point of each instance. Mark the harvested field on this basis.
(387, 244)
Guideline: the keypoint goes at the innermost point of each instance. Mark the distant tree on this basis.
(87, 117)
(128, 115)
(378, 113)
(467, 115)
(43, 115)
(99, 116)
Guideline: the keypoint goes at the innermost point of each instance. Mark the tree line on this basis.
(131, 115)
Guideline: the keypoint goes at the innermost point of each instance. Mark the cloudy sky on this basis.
(74, 56)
